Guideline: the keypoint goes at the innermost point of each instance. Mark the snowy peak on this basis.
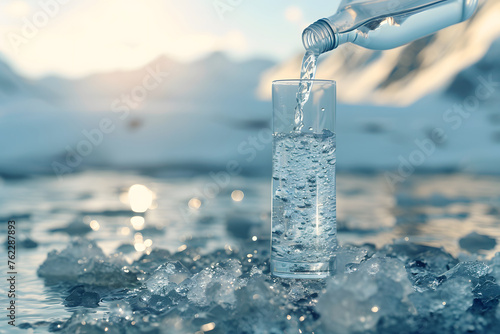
(208, 79)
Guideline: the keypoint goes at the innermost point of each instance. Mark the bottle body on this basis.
(385, 25)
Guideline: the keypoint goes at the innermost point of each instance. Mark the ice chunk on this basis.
(487, 294)
(436, 260)
(347, 255)
(217, 284)
(424, 264)
(69, 263)
(262, 306)
(356, 301)
(472, 269)
(453, 295)
(452, 298)
(103, 272)
(421, 277)
(255, 271)
(84, 262)
(167, 277)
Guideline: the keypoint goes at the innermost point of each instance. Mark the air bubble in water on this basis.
(302, 201)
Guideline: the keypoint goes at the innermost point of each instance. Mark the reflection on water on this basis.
(237, 195)
(435, 210)
(124, 230)
(194, 203)
(122, 213)
(137, 222)
(140, 198)
(94, 225)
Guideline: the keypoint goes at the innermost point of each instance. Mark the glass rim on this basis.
(295, 81)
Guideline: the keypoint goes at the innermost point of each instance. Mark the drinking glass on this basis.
(304, 231)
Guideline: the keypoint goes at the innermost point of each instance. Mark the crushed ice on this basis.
(400, 288)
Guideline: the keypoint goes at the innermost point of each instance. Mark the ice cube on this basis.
(356, 301)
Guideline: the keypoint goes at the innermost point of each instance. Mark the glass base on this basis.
(311, 270)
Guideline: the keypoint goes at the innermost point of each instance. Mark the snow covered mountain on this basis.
(187, 116)
(200, 116)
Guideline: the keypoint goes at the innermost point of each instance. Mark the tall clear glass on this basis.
(304, 211)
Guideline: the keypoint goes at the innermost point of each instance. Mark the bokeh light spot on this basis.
(140, 198)
(237, 195)
(94, 225)
(137, 222)
(194, 203)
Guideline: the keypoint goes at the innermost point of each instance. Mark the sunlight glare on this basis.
(137, 222)
(140, 198)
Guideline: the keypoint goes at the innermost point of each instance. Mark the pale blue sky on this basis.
(76, 37)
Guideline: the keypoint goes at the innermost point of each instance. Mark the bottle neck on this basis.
(320, 37)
